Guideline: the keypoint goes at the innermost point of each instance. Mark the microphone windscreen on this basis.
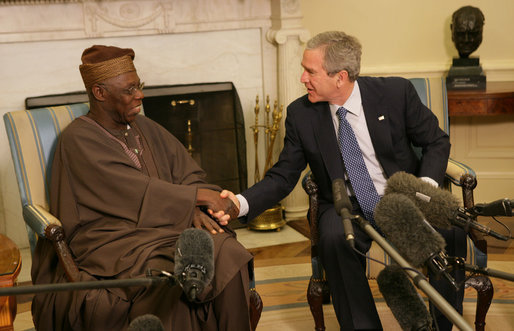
(147, 322)
(195, 247)
(405, 228)
(436, 204)
(402, 298)
(341, 199)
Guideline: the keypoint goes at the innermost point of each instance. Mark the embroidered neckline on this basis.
(127, 150)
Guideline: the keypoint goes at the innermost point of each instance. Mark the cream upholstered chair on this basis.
(32, 136)
(432, 93)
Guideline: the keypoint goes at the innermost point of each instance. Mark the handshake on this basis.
(223, 207)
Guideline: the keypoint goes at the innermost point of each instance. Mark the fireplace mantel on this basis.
(65, 19)
(255, 44)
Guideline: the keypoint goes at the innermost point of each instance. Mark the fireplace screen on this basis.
(206, 118)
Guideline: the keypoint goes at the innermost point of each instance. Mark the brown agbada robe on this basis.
(122, 215)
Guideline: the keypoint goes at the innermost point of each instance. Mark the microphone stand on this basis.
(150, 280)
(459, 263)
(418, 280)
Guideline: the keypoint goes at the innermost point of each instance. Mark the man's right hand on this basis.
(221, 208)
(228, 194)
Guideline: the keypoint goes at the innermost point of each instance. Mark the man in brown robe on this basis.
(124, 189)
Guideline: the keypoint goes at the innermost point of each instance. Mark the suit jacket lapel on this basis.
(377, 118)
(327, 141)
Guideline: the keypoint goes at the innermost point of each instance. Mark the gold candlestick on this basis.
(257, 176)
(277, 116)
(267, 126)
(272, 218)
(189, 138)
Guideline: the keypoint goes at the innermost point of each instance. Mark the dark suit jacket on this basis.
(396, 118)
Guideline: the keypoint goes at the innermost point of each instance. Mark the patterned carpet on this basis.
(283, 272)
(282, 267)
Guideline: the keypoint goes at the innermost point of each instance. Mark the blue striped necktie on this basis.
(360, 179)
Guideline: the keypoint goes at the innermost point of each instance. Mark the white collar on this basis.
(352, 104)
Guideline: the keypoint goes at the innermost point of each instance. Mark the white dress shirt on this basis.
(357, 120)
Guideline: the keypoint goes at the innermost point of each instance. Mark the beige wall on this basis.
(413, 38)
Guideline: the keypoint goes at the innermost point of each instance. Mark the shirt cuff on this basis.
(243, 205)
(430, 181)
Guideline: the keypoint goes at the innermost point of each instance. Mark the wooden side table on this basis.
(10, 266)
(496, 99)
(481, 126)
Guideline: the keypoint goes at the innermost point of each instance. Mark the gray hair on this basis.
(341, 52)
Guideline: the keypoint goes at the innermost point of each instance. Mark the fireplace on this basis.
(206, 118)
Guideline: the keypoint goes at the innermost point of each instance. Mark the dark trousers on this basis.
(345, 269)
(455, 246)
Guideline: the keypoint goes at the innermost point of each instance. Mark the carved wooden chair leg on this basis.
(315, 300)
(485, 292)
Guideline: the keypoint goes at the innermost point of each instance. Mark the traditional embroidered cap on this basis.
(102, 62)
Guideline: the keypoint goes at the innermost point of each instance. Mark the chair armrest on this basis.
(311, 188)
(455, 170)
(38, 218)
(48, 226)
(463, 176)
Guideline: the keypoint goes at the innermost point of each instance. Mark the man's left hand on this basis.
(203, 221)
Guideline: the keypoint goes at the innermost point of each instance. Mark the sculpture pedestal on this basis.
(271, 219)
(466, 74)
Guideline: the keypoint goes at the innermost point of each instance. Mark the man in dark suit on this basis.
(386, 116)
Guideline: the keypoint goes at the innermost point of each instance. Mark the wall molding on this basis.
(495, 70)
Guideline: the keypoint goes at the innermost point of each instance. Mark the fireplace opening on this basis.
(208, 120)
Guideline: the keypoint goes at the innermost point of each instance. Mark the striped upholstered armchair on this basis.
(32, 136)
(458, 176)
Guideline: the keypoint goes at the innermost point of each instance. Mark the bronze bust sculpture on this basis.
(467, 26)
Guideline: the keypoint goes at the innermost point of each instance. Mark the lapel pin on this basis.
(381, 118)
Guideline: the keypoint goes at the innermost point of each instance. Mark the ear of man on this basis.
(98, 92)
(342, 76)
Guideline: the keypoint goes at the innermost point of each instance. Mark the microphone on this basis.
(343, 206)
(194, 261)
(402, 298)
(502, 207)
(415, 239)
(147, 322)
(440, 207)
